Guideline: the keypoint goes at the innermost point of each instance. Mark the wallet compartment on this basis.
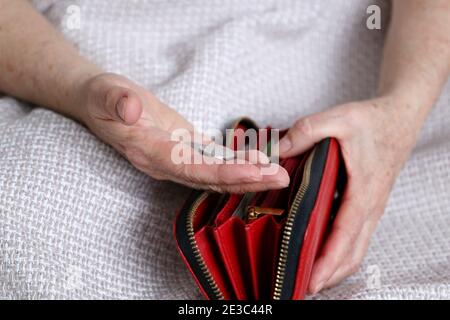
(271, 256)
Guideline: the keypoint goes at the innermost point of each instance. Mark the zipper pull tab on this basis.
(254, 212)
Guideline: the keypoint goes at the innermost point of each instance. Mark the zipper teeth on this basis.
(287, 231)
(198, 257)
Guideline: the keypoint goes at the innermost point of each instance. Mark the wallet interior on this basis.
(248, 246)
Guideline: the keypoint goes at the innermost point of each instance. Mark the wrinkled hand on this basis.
(139, 126)
(376, 138)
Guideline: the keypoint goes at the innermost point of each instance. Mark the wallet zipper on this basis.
(287, 231)
(254, 212)
(198, 257)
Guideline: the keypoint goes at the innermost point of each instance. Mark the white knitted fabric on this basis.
(78, 221)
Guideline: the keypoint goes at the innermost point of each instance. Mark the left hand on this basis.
(376, 138)
(139, 126)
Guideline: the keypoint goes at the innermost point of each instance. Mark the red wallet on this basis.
(262, 245)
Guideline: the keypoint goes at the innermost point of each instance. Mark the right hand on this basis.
(139, 126)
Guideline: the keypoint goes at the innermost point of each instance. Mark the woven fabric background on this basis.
(78, 221)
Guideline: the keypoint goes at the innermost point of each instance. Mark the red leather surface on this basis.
(263, 243)
(318, 222)
(228, 209)
(231, 239)
(210, 252)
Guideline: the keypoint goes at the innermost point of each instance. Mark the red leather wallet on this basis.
(262, 245)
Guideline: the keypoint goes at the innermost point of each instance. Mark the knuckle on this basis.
(109, 95)
(304, 127)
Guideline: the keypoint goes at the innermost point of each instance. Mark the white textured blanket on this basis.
(78, 221)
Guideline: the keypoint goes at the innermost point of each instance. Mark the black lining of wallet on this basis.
(185, 245)
(302, 219)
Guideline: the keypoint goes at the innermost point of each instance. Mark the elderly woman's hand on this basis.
(139, 126)
(376, 138)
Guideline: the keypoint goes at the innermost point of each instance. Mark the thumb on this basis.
(308, 131)
(122, 104)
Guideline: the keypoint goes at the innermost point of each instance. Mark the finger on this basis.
(240, 188)
(253, 156)
(309, 130)
(268, 182)
(345, 231)
(122, 104)
(224, 175)
(210, 172)
(211, 149)
(353, 262)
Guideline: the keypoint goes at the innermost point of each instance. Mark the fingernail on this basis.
(120, 107)
(285, 145)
